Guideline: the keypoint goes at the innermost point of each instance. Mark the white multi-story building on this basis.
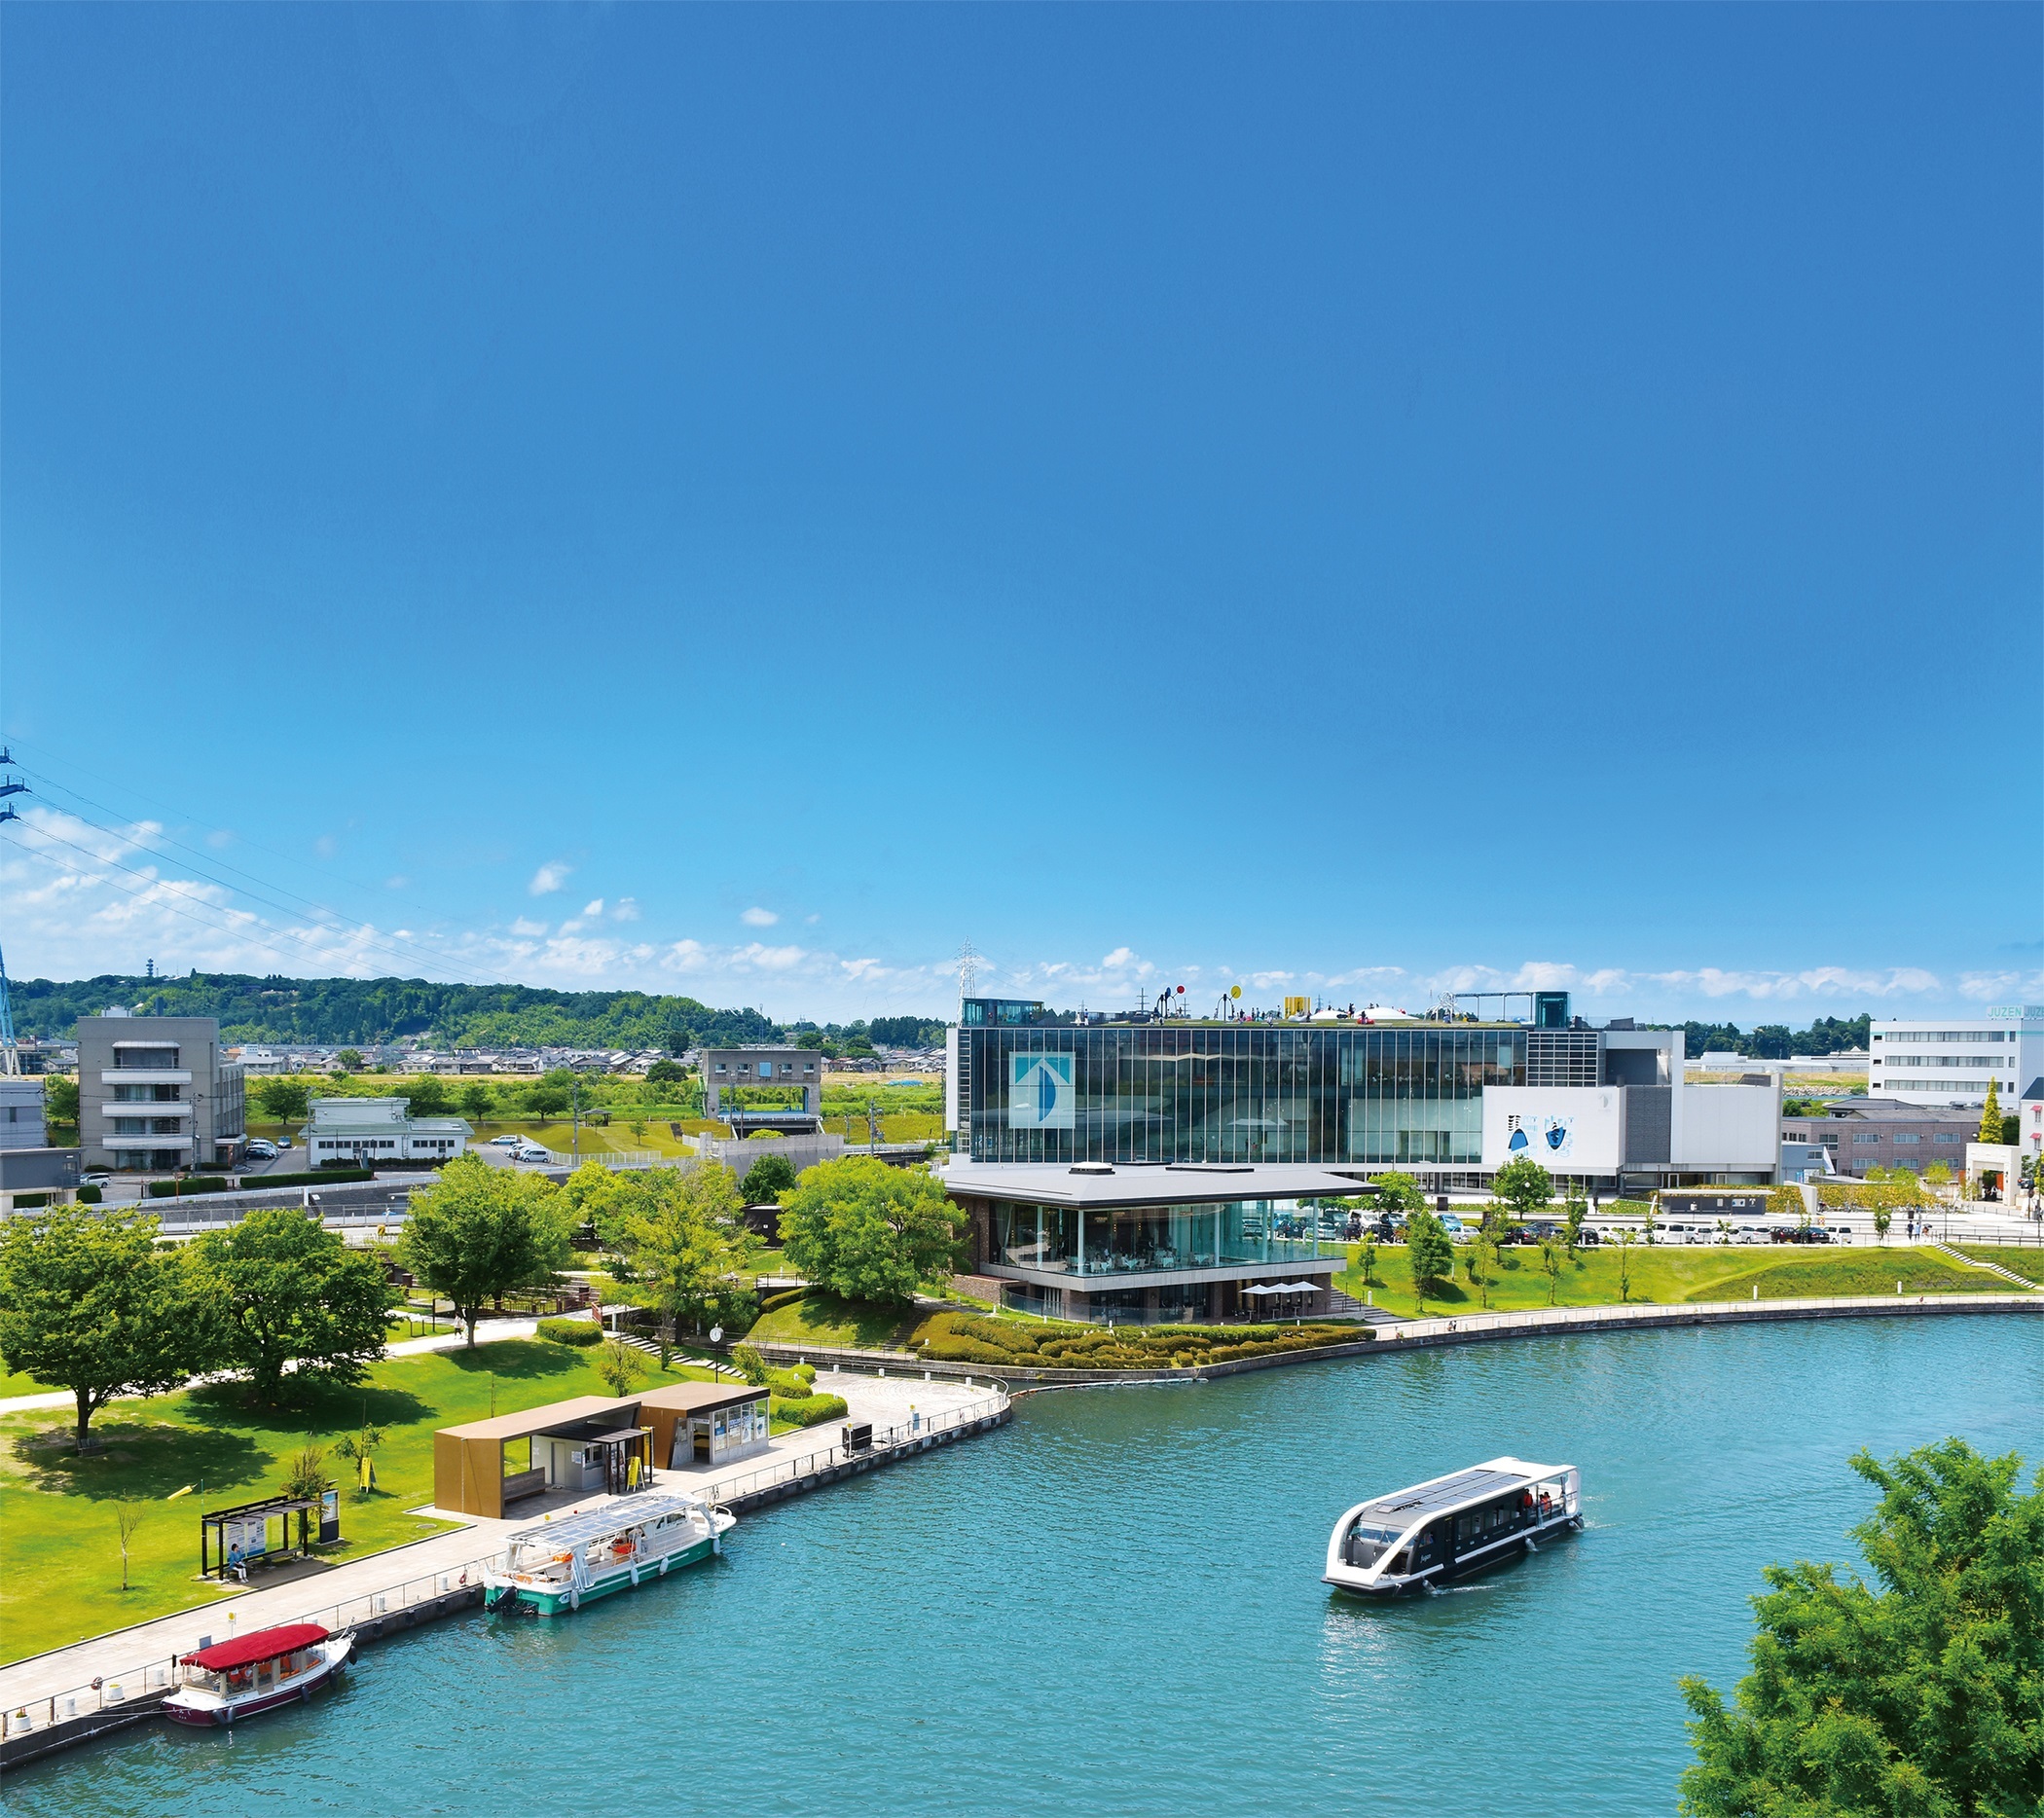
(1951, 1060)
(362, 1131)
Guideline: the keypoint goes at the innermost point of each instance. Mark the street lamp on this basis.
(717, 1337)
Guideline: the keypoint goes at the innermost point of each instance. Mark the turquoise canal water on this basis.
(1114, 1605)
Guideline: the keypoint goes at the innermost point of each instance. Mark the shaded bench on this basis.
(520, 1484)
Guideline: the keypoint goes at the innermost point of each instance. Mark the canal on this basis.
(1114, 1605)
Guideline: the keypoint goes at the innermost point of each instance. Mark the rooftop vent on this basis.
(1092, 1167)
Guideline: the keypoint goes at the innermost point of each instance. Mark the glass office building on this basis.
(1325, 1093)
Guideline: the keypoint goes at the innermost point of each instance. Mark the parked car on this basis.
(1588, 1238)
(98, 1177)
(283, 1142)
(1451, 1224)
(531, 1151)
(508, 1142)
(261, 1149)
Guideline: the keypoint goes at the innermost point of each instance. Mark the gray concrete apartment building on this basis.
(155, 1094)
(1859, 1132)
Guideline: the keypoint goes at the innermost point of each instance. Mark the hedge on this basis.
(969, 1338)
(191, 1184)
(787, 1297)
(326, 1176)
(807, 1410)
(572, 1331)
(88, 1195)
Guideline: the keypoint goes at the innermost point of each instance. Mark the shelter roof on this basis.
(542, 1419)
(264, 1643)
(699, 1397)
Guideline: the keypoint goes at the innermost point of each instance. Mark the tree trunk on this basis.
(471, 1314)
(84, 1418)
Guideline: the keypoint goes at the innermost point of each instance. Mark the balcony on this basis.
(145, 1076)
(148, 1109)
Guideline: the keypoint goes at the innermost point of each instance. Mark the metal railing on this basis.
(150, 1678)
(906, 1432)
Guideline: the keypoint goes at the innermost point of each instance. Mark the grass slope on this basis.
(60, 1567)
(1666, 1276)
(2027, 1263)
(830, 1320)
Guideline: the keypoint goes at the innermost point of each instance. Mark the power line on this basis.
(405, 954)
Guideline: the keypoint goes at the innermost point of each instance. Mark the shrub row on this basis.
(787, 1297)
(967, 1338)
(324, 1176)
(809, 1410)
(572, 1331)
(191, 1184)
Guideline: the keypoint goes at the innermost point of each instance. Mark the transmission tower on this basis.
(10, 1050)
(967, 971)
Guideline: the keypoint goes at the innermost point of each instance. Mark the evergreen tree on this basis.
(1990, 1116)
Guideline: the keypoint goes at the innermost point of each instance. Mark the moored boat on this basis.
(1449, 1527)
(255, 1672)
(561, 1565)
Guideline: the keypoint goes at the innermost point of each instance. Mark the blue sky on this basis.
(741, 500)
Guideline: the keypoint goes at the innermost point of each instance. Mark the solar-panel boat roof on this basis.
(1406, 1507)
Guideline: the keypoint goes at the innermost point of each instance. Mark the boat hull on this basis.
(1467, 1567)
(223, 1716)
(545, 1601)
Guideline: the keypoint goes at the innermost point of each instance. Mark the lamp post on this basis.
(717, 1337)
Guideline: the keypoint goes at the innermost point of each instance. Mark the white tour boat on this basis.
(560, 1565)
(1449, 1527)
(257, 1672)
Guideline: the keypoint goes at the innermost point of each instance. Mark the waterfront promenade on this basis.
(424, 1569)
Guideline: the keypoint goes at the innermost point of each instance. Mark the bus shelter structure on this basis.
(593, 1443)
(244, 1530)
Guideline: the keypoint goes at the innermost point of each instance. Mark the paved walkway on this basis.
(129, 1655)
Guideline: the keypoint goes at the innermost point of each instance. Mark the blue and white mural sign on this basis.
(1041, 1095)
(1566, 1129)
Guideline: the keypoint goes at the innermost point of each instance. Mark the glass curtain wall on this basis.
(1155, 1239)
(1155, 1093)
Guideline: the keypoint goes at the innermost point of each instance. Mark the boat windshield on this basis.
(1367, 1544)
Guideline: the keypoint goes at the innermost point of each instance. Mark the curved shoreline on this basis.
(1462, 1329)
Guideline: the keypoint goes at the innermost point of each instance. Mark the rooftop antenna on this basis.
(967, 971)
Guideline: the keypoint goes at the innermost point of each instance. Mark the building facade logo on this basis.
(1040, 1092)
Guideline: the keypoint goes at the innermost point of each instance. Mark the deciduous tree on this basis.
(1914, 1697)
(89, 1303)
(287, 1292)
(477, 1101)
(684, 1233)
(768, 1177)
(1429, 1253)
(870, 1231)
(1525, 1187)
(1991, 1115)
(283, 1100)
(1399, 1193)
(479, 1232)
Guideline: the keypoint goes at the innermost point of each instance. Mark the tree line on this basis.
(328, 1011)
(1777, 1041)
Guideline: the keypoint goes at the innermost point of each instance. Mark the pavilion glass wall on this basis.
(1158, 1093)
(1155, 1239)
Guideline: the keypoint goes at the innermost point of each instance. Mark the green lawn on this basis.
(20, 1382)
(1664, 1275)
(828, 1320)
(2026, 1261)
(60, 1567)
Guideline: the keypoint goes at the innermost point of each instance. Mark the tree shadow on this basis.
(136, 1458)
(517, 1360)
(310, 1406)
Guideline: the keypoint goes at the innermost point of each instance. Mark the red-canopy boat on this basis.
(257, 1672)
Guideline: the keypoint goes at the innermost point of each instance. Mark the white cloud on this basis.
(1117, 961)
(626, 910)
(527, 930)
(594, 909)
(220, 838)
(549, 878)
(760, 917)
